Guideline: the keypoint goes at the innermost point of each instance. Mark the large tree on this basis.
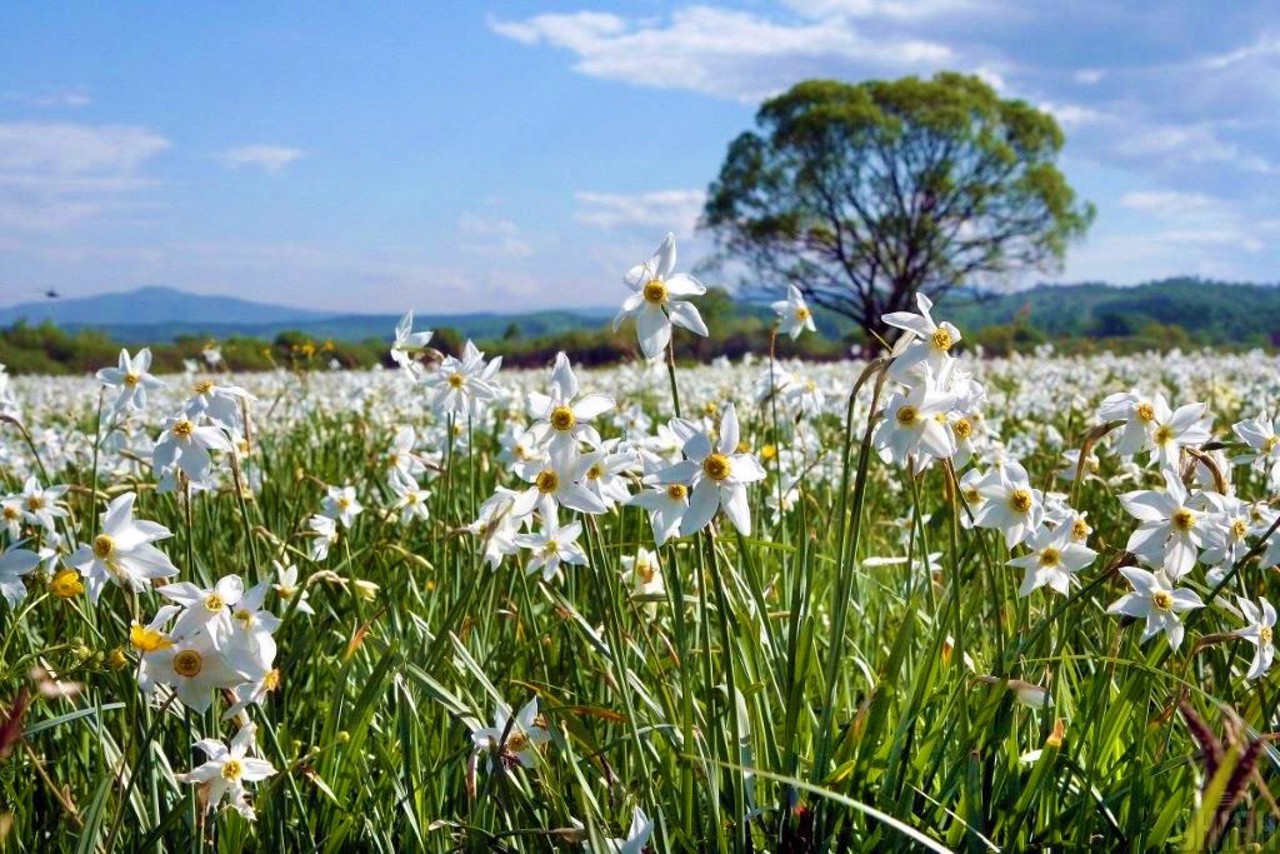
(863, 195)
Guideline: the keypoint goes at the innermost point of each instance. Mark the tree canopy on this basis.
(864, 194)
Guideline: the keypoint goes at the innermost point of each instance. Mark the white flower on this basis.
(407, 343)
(410, 499)
(717, 476)
(341, 505)
(122, 551)
(1170, 533)
(1259, 633)
(643, 574)
(14, 564)
(931, 344)
(40, 505)
(511, 741)
(194, 666)
(1260, 435)
(286, 586)
(794, 315)
(1155, 599)
(912, 424)
(188, 444)
(1054, 561)
(554, 546)
(637, 839)
(227, 769)
(131, 377)
(1012, 506)
(666, 505)
(460, 385)
(221, 404)
(654, 304)
(557, 480)
(562, 416)
(325, 534)
(207, 611)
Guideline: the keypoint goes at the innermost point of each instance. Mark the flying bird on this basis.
(52, 294)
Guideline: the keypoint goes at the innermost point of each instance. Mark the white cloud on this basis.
(1267, 46)
(63, 98)
(1168, 201)
(53, 176)
(479, 226)
(269, 158)
(889, 9)
(68, 149)
(1089, 76)
(724, 52)
(659, 211)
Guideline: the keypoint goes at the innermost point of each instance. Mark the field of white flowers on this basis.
(929, 602)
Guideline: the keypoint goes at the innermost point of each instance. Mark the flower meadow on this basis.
(925, 602)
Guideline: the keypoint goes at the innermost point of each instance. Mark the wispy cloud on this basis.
(53, 176)
(661, 210)
(269, 158)
(724, 52)
(72, 98)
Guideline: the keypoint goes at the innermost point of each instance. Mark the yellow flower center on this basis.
(232, 769)
(1270, 445)
(213, 603)
(11, 512)
(1020, 500)
(655, 291)
(344, 503)
(1264, 635)
(456, 380)
(594, 472)
(34, 503)
(204, 386)
(148, 640)
(645, 570)
(972, 495)
(187, 663)
(1146, 412)
(517, 742)
(1050, 557)
(768, 452)
(183, 428)
(131, 379)
(547, 481)
(1239, 529)
(1164, 433)
(1080, 530)
(1162, 599)
(1183, 519)
(677, 492)
(716, 467)
(271, 681)
(103, 546)
(244, 617)
(563, 419)
(803, 313)
(907, 415)
(963, 428)
(942, 340)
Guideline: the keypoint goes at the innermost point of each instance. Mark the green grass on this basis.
(783, 696)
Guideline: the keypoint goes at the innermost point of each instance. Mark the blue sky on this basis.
(465, 156)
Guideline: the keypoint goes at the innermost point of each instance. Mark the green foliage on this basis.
(862, 195)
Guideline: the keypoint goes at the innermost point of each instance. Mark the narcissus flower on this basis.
(1155, 599)
(717, 476)
(131, 377)
(793, 313)
(656, 304)
(1259, 632)
(511, 741)
(227, 769)
(14, 564)
(122, 551)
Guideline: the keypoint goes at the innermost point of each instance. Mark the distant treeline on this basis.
(1179, 313)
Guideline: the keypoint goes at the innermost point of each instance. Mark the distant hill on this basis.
(1209, 312)
(1213, 312)
(151, 306)
(155, 314)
